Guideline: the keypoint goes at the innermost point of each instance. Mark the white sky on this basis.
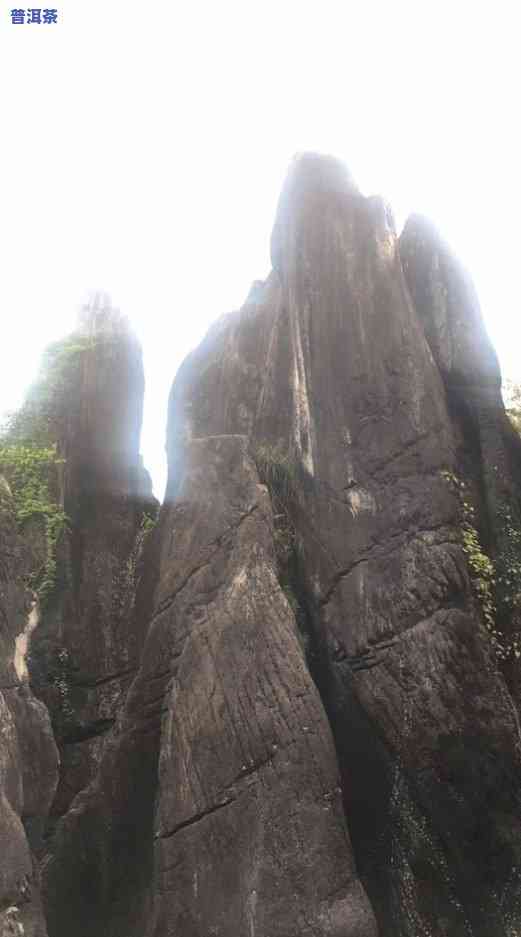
(144, 146)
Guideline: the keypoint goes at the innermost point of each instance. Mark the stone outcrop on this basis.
(247, 765)
(427, 733)
(322, 736)
(88, 404)
(28, 754)
(488, 448)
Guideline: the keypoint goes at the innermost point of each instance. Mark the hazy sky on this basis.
(144, 145)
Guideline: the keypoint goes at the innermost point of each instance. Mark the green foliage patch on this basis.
(60, 676)
(28, 470)
(148, 522)
(28, 453)
(493, 583)
(480, 565)
(125, 581)
(279, 472)
(508, 570)
(34, 423)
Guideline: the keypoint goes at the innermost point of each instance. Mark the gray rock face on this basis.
(247, 765)
(84, 655)
(249, 808)
(488, 450)
(446, 303)
(28, 754)
(323, 734)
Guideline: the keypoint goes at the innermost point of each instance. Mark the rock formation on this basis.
(488, 448)
(86, 410)
(28, 754)
(322, 735)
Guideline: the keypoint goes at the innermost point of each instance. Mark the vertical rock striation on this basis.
(249, 831)
(488, 448)
(28, 754)
(400, 651)
(323, 735)
(85, 411)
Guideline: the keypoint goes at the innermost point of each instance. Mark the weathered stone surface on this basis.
(249, 834)
(400, 652)
(488, 448)
(107, 881)
(318, 659)
(28, 754)
(448, 307)
(84, 655)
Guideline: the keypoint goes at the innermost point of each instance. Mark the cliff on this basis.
(85, 507)
(28, 754)
(320, 734)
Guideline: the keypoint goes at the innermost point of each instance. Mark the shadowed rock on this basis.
(488, 448)
(249, 833)
(88, 403)
(28, 754)
(319, 652)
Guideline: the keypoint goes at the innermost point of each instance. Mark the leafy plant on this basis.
(493, 583)
(35, 422)
(28, 451)
(125, 580)
(508, 566)
(61, 681)
(480, 565)
(148, 522)
(28, 470)
(278, 472)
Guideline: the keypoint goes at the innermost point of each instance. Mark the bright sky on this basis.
(144, 146)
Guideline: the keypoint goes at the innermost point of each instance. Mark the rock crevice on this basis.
(317, 729)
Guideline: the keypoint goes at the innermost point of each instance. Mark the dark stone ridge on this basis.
(28, 754)
(488, 449)
(322, 735)
(88, 402)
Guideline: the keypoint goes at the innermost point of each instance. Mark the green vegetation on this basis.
(480, 565)
(495, 585)
(148, 522)
(28, 452)
(125, 580)
(508, 567)
(60, 675)
(36, 420)
(279, 472)
(28, 470)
